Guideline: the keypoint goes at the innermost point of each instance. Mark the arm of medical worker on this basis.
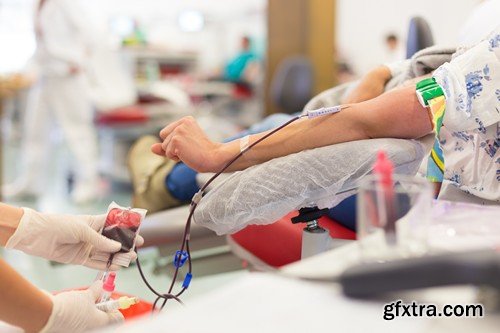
(29, 308)
(69, 239)
(394, 114)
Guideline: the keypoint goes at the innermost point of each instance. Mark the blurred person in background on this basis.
(236, 68)
(161, 183)
(243, 68)
(64, 41)
(393, 49)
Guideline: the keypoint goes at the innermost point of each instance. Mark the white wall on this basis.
(363, 24)
(17, 42)
(226, 22)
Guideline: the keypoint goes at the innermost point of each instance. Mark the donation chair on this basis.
(249, 206)
(253, 207)
(291, 87)
(266, 247)
(419, 36)
(210, 253)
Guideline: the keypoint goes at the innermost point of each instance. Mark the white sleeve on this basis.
(471, 83)
(398, 67)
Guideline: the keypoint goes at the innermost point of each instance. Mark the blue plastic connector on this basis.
(187, 280)
(180, 258)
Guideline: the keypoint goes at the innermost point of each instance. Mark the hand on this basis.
(65, 238)
(370, 86)
(185, 141)
(75, 311)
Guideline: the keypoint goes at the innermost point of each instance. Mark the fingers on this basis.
(97, 221)
(170, 146)
(133, 255)
(95, 290)
(105, 318)
(139, 241)
(99, 242)
(157, 149)
(173, 135)
(169, 128)
(115, 317)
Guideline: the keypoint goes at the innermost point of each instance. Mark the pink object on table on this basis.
(384, 168)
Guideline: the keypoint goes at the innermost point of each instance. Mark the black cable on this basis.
(187, 229)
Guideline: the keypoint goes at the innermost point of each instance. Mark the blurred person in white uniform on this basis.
(64, 42)
(394, 50)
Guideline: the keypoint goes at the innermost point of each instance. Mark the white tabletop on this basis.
(279, 302)
(267, 302)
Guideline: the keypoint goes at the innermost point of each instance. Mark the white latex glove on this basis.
(75, 311)
(68, 239)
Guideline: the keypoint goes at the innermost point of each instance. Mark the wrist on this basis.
(223, 154)
(45, 312)
(10, 219)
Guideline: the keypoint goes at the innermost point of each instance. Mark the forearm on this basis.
(370, 86)
(395, 114)
(380, 74)
(9, 220)
(22, 304)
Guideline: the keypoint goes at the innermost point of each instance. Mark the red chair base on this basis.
(280, 243)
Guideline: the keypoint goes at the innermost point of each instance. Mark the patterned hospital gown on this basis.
(470, 135)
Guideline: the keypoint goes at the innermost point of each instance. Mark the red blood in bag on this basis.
(121, 225)
(123, 218)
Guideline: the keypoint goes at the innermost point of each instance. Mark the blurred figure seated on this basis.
(243, 69)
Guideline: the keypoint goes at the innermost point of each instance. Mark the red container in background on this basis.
(136, 310)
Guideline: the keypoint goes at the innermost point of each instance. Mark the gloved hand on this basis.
(69, 239)
(75, 311)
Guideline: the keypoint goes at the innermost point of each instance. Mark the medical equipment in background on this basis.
(393, 218)
(384, 169)
(315, 239)
(374, 279)
(183, 254)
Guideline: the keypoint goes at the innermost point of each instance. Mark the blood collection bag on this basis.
(122, 225)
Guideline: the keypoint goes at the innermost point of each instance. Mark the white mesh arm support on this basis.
(266, 192)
